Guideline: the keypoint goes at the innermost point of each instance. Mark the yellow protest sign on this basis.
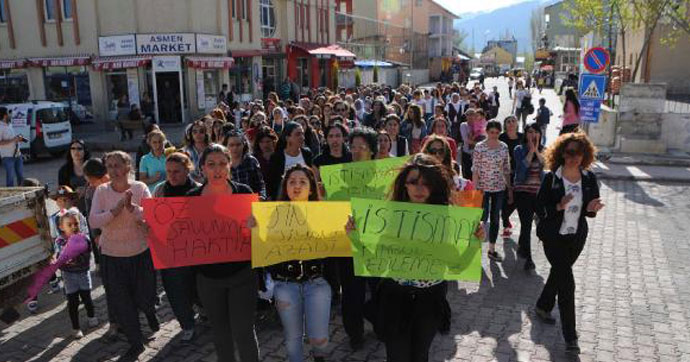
(299, 231)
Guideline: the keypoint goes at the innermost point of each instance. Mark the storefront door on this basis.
(167, 89)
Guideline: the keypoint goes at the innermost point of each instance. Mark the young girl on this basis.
(411, 312)
(491, 174)
(301, 292)
(75, 273)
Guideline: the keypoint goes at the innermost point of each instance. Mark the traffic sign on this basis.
(592, 86)
(596, 60)
(589, 110)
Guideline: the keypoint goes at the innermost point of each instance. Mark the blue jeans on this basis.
(297, 301)
(13, 165)
(493, 202)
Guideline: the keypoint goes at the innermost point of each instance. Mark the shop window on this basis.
(67, 9)
(268, 19)
(3, 12)
(303, 71)
(49, 10)
(233, 6)
(240, 75)
(14, 85)
(65, 84)
(118, 95)
(211, 88)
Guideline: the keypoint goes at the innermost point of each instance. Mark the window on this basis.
(3, 12)
(244, 9)
(67, 9)
(418, 2)
(268, 18)
(49, 10)
(234, 15)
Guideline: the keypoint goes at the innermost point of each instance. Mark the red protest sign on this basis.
(198, 230)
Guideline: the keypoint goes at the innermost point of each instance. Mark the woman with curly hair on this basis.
(263, 147)
(196, 140)
(568, 194)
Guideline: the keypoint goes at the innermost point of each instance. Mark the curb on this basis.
(607, 176)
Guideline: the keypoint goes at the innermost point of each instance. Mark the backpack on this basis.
(527, 105)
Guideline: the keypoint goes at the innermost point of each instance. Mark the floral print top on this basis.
(492, 165)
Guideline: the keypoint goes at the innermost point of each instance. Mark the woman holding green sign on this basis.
(409, 313)
(301, 292)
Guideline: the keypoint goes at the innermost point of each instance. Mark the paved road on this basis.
(633, 303)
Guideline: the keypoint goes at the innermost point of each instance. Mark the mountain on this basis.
(493, 25)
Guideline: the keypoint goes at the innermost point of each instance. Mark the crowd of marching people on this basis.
(275, 148)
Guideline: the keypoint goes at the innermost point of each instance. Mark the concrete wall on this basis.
(675, 131)
(415, 76)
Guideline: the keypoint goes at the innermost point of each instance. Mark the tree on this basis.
(358, 77)
(375, 77)
(334, 75)
(536, 27)
(631, 15)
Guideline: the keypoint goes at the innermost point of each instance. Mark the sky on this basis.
(473, 6)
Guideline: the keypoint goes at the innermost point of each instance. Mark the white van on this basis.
(45, 124)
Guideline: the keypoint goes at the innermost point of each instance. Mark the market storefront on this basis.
(208, 74)
(122, 83)
(66, 79)
(14, 82)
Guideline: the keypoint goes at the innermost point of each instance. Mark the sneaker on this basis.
(132, 353)
(32, 306)
(572, 347)
(529, 265)
(544, 316)
(77, 334)
(187, 335)
(93, 322)
(507, 232)
(495, 256)
(54, 287)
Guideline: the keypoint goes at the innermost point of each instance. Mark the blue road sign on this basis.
(589, 110)
(592, 86)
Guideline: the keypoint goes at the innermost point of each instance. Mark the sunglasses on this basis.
(573, 152)
(416, 182)
(76, 148)
(436, 151)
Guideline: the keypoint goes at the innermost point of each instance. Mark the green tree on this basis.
(335, 69)
(358, 77)
(376, 74)
(631, 15)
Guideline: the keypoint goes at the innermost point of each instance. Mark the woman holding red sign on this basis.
(227, 290)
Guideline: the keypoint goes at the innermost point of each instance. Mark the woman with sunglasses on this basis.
(529, 170)
(440, 127)
(439, 148)
(511, 137)
(568, 194)
(491, 174)
(196, 141)
(410, 313)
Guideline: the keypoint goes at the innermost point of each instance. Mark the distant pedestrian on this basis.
(543, 119)
(10, 154)
(568, 194)
(510, 86)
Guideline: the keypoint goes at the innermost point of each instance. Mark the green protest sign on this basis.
(369, 179)
(416, 241)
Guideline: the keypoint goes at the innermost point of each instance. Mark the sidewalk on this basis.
(640, 172)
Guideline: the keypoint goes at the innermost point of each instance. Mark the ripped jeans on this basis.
(297, 301)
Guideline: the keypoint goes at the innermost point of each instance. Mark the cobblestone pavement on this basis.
(633, 303)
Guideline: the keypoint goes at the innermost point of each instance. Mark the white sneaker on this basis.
(187, 335)
(93, 322)
(54, 287)
(77, 334)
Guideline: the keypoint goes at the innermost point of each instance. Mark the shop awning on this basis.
(110, 63)
(67, 61)
(328, 51)
(210, 62)
(12, 63)
(372, 63)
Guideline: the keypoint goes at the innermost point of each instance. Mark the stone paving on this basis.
(633, 303)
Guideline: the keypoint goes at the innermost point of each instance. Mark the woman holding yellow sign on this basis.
(409, 313)
(301, 292)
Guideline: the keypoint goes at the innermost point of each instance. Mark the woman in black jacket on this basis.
(568, 194)
(71, 173)
(289, 152)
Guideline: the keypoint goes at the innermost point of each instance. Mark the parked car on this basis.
(45, 124)
(476, 73)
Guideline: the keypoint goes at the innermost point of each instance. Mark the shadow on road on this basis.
(633, 192)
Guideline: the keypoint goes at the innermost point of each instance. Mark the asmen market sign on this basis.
(166, 43)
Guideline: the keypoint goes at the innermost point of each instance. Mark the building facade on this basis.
(170, 58)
